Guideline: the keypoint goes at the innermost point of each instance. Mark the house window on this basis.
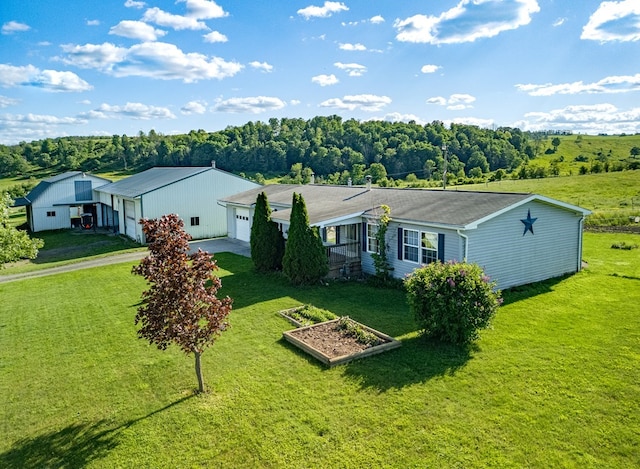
(51, 214)
(372, 241)
(330, 236)
(411, 245)
(429, 247)
(83, 190)
(195, 221)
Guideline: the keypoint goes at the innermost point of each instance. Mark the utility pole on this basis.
(444, 170)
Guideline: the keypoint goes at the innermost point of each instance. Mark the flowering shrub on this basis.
(452, 301)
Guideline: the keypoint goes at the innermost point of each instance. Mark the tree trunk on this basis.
(199, 372)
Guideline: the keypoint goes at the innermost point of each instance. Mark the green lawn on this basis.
(555, 382)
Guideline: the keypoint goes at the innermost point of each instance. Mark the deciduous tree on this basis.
(180, 306)
(14, 244)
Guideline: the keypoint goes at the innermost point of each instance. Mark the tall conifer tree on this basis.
(267, 242)
(305, 260)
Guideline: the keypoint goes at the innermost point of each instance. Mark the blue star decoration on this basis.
(528, 223)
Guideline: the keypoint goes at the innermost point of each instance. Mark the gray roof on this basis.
(43, 185)
(151, 180)
(447, 208)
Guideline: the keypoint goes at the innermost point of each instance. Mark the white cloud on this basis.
(136, 30)
(352, 69)
(559, 22)
(455, 102)
(39, 119)
(612, 84)
(14, 27)
(204, 10)
(169, 20)
(253, 105)
(48, 80)
(194, 107)
(430, 68)
(325, 80)
(294, 102)
(215, 36)
(592, 119)
(614, 21)
(136, 111)
(439, 100)
(134, 4)
(326, 10)
(398, 117)
(377, 19)
(6, 102)
(353, 47)
(467, 21)
(98, 56)
(363, 102)
(264, 66)
(157, 60)
(93, 22)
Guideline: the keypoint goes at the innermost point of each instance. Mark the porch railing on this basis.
(338, 254)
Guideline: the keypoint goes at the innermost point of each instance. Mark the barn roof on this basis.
(151, 180)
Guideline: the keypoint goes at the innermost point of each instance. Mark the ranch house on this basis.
(516, 238)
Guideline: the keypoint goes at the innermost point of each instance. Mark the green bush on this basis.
(452, 301)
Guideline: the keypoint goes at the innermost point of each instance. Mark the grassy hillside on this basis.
(576, 151)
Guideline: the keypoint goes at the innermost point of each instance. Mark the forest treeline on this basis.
(330, 147)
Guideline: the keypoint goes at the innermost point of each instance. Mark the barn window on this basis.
(83, 190)
(195, 221)
(51, 214)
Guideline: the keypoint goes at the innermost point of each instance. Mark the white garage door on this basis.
(243, 226)
(130, 219)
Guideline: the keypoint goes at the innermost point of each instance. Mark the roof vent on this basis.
(213, 163)
(368, 178)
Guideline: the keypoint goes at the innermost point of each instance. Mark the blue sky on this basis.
(120, 67)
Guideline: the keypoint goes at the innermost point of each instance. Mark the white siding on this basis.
(58, 197)
(511, 258)
(452, 249)
(196, 196)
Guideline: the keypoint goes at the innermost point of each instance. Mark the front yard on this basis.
(553, 384)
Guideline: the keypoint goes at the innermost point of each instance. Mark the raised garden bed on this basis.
(339, 340)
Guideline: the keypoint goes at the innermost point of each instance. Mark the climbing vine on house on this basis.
(380, 258)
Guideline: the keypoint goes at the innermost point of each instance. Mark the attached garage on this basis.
(243, 224)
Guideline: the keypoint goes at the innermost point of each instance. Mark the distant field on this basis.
(575, 151)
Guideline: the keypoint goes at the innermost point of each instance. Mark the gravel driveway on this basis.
(210, 245)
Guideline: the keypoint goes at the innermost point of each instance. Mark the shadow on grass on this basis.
(417, 361)
(523, 292)
(75, 446)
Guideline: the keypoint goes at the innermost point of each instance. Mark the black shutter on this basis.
(400, 243)
(364, 236)
(324, 234)
(441, 247)
(338, 234)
